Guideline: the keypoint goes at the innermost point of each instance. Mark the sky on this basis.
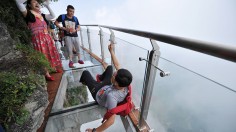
(206, 20)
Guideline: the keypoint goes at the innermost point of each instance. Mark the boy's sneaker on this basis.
(81, 62)
(71, 64)
(98, 78)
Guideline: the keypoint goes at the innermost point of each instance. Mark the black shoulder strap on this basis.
(63, 16)
(30, 17)
(45, 18)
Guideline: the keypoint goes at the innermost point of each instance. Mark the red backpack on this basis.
(123, 108)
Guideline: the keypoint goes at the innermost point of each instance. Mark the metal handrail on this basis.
(226, 52)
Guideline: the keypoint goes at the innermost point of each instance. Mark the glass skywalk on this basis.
(181, 102)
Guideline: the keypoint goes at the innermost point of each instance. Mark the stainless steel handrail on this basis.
(226, 52)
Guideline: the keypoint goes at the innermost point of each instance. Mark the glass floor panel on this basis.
(71, 92)
(80, 120)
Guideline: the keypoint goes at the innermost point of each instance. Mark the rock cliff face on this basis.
(10, 59)
(35, 105)
(6, 44)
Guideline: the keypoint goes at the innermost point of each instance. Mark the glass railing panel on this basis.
(106, 39)
(130, 60)
(84, 37)
(95, 42)
(128, 56)
(187, 102)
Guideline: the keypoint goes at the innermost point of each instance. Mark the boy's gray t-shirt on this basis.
(109, 97)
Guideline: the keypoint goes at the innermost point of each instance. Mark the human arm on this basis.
(75, 30)
(104, 125)
(109, 117)
(78, 28)
(58, 20)
(21, 7)
(78, 25)
(113, 56)
(57, 24)
(51, 15)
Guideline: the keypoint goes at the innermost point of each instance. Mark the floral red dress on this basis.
(43, 42)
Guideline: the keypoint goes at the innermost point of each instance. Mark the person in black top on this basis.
(70, 25)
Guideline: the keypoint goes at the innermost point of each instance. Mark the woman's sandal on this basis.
(49, 78)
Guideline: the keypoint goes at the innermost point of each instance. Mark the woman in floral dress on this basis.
(41, 39)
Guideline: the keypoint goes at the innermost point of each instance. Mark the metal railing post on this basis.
(82, 41)
(101, 42)
(89, 41)
(81, 37)
(149, 82)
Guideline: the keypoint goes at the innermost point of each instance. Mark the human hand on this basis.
(72, 30)
(67, 29)
(46, 3)
(111, 47)
(88, 130)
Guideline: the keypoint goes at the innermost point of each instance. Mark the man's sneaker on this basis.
(81, 62)
(71, 64)
(98, 78)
